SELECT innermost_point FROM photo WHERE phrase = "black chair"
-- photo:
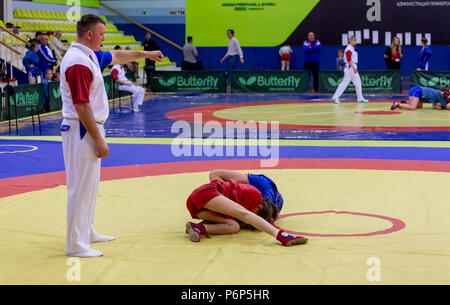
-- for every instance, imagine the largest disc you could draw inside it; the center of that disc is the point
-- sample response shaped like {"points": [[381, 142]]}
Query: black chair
{"points": [[11, 95], [120, 94]]}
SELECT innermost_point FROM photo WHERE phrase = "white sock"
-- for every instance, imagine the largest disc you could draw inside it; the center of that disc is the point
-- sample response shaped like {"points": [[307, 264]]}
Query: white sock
{"points": [[275, 234]]}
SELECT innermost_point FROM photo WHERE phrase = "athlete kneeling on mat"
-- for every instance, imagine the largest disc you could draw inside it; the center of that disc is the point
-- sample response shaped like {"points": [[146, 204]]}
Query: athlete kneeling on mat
{"points": [[232, 197], [418, 95]]}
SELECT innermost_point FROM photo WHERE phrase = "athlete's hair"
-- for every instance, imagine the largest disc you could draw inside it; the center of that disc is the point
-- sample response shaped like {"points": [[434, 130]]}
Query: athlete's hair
{"points": [[424, 40], [87, 22], [33, 45], [117, 47], [189, 38], [231, 31], [351, 38], [268, 211]]}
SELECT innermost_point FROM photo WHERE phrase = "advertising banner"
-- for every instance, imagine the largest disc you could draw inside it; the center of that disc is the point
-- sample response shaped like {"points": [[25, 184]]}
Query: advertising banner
{"points": [[189, 81], [372, 81], [55, 96], [436, 80], [25, 94], [269, 81]]}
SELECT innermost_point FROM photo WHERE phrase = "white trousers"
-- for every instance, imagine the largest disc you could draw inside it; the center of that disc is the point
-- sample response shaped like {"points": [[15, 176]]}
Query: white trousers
{"points": [[83, 178], [349, 76], [137, 94]]}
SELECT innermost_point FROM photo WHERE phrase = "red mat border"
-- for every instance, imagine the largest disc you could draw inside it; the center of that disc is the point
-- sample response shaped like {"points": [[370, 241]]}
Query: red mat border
{"points": [[25, 184]]}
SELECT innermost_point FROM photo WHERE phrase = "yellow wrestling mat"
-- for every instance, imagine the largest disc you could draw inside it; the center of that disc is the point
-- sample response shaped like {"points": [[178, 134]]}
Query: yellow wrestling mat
{"points": [[345, 114], [148, 215]]}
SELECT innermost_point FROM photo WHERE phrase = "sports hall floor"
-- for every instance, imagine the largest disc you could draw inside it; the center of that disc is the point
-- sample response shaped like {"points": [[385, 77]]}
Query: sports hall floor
{"points": [[360, 181]]}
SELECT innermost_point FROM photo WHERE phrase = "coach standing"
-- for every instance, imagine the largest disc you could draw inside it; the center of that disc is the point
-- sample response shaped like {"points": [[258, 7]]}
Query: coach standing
{"points": [[85, 110], [311, 49], [234, 52], [150, 45]]}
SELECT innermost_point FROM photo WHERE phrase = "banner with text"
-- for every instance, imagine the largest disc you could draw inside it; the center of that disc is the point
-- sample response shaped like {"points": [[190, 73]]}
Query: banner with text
{"points": [[437, 80], [269, 81], [189, 81], [25, 94], [372, 81]]}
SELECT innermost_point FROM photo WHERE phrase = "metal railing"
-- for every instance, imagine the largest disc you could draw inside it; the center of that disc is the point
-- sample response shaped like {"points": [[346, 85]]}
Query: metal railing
{"points": [[141, 26], [10, 54]]}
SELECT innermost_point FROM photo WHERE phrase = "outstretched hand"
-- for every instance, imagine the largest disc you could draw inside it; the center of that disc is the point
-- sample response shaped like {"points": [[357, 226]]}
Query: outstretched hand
{"points": [[155, 55]]}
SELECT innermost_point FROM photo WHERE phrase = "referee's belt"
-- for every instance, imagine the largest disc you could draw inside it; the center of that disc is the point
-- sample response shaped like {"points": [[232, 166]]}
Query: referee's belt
{"points": [[98, 122]]}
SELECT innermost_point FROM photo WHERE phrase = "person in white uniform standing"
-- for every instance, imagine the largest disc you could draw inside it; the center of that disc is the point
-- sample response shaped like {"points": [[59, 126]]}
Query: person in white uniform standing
{"points": [[124, 84], [85, 110], [350, 73]]}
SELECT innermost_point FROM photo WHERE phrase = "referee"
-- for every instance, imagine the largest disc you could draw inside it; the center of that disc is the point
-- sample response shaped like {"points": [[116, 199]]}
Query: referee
{"points": [[85, 110]]}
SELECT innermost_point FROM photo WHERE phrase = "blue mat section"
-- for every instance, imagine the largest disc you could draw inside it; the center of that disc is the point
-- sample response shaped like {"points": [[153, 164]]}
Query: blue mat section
{"points": [[49, 157], [151, 122]]}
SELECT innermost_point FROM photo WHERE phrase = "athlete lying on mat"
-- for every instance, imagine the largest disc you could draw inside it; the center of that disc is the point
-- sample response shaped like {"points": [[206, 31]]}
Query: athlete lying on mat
{"points": [[418, 95], [232, 197]]}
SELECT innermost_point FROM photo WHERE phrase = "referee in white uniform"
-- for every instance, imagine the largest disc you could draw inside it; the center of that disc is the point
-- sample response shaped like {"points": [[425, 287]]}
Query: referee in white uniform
{"points": [[85, 110], [350, 73]]}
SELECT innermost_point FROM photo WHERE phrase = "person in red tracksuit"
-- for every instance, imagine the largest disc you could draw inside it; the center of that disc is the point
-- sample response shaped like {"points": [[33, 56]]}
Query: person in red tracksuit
{"points": [[224, 204]]}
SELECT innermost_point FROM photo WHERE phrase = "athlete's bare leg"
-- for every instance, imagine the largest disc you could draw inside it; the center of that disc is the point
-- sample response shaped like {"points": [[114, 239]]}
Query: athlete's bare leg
{"points": [[220, 224], [412, 104], [225, 206]]}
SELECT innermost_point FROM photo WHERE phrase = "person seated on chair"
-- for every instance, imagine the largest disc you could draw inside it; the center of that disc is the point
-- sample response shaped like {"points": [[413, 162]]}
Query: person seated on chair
{"points": [[132, 66], [190, 53], [124, 84], [46, 58]]}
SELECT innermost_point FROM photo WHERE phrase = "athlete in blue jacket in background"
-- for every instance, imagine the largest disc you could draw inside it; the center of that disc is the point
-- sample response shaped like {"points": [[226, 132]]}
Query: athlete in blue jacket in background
{"points": [[424, 56], [31, 63]]}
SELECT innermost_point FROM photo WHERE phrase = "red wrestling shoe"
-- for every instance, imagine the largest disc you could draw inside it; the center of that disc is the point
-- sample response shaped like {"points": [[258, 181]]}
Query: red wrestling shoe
{"points": [[195, 231], [395, 106], [290, 240]]}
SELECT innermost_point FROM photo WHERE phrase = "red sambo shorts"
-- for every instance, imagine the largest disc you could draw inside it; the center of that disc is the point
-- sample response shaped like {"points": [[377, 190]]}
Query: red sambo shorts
{"points": [[201, 196], [286, 57]]}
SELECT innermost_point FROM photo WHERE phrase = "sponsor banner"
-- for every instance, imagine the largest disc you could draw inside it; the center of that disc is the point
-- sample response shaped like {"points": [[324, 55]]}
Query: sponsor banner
{"points": [[372, 81], [54, 96], [436, 80], [108, 85], [189, 81], [269, 81], [25, 94]]}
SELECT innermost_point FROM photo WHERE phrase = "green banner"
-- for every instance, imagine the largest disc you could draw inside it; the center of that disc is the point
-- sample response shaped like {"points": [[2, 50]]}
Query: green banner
{"points": [[372, 81], [269, 81], [25, 94], [54, 96], [189, 81], [108, 84], [436, 80]]}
